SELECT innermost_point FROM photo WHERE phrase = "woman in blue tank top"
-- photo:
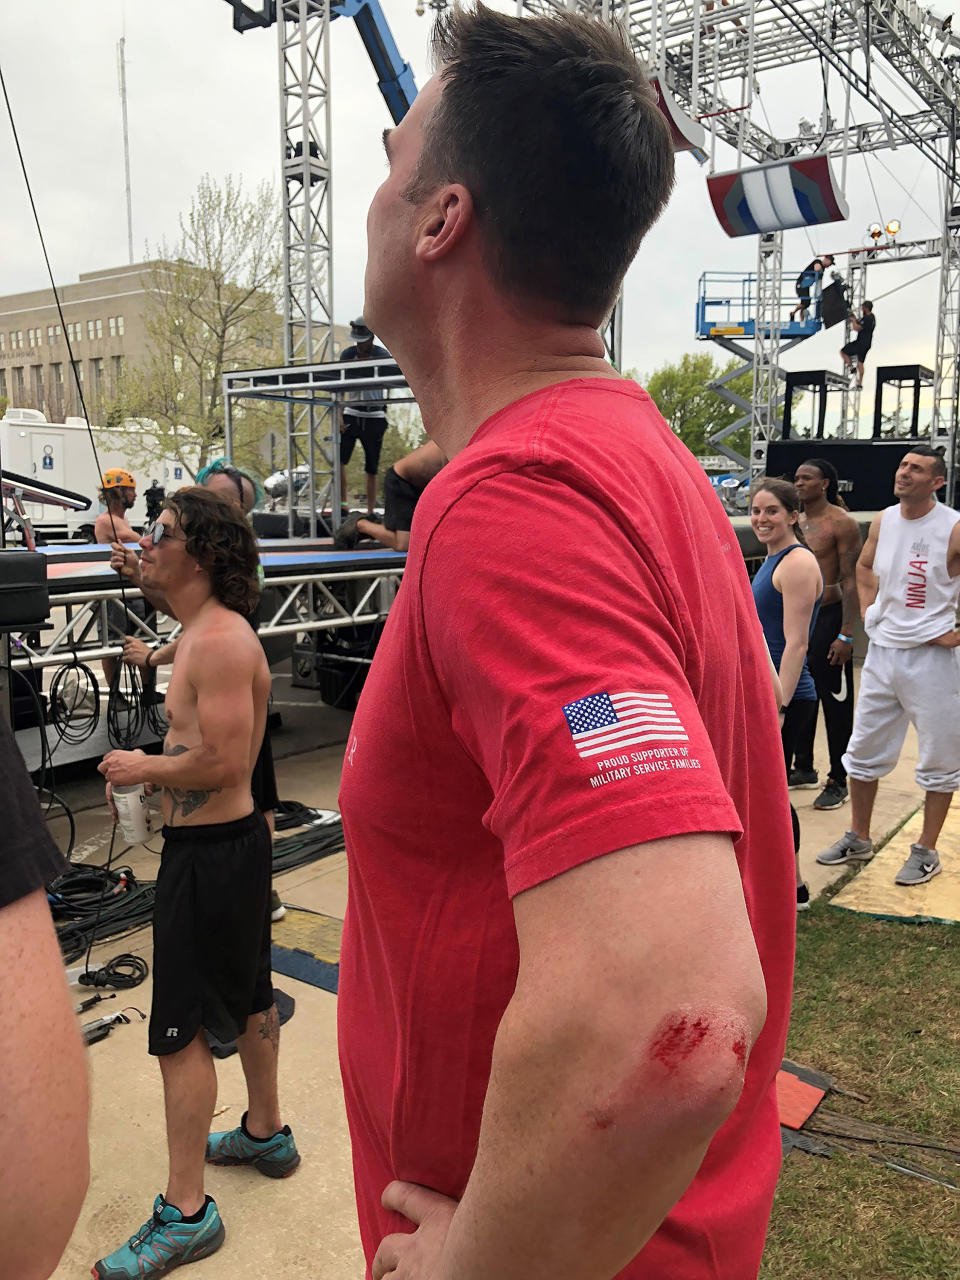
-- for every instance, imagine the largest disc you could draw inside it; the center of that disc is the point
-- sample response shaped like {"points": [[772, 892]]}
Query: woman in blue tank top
{"points": [[787, 590]]}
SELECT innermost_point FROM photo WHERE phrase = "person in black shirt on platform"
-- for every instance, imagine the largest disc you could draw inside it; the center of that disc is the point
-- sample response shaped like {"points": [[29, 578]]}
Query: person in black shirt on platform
{"points": [[365, 417], [855, 352], [44, 1157], [809, 278]]}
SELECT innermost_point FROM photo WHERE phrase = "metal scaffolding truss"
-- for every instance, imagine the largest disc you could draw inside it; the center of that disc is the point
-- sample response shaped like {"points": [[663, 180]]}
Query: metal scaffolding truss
{"points": [[303, 28], [313, 393], [314, 600], [304, 50]]}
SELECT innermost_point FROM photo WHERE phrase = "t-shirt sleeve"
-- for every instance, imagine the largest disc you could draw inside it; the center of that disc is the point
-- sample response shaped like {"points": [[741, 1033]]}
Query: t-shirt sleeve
{"points": [[28, 856], [560, 655]]}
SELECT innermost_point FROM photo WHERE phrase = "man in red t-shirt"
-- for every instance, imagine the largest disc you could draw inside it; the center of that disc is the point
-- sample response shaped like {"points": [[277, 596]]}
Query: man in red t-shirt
{"points": [[567, 959]]}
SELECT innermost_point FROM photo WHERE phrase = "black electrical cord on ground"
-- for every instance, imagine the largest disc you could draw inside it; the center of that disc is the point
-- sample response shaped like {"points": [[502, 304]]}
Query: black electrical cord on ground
{"points": [[322, 835], [122, 972]]}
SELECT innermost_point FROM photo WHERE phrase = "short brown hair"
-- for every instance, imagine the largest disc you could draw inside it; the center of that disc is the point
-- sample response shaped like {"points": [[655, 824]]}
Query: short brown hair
{"points": [[222, 543], [554, 129]]}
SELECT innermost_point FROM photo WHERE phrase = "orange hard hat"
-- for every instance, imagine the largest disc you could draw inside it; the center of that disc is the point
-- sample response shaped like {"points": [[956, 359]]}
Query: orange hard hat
{"points": [[117, 478]]}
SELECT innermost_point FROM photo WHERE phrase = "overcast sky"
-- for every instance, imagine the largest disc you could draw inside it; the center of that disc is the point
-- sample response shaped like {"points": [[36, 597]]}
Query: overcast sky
{"points": [[205, 99]]}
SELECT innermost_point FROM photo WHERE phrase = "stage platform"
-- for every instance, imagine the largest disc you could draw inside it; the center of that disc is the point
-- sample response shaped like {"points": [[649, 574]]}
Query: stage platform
{"points": [[86, 566], [873, 893]]}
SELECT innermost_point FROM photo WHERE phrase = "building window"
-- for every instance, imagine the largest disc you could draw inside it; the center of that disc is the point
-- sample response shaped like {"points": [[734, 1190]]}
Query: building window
{"points": [[90, 330], [119, 326], [18, 384], [38, 385], [118, 367], [57, 371], [78, 371], [3, 383], [99, 327], [50, 338], [112, 326], [3, 339], [74, 331], [97, 366]]}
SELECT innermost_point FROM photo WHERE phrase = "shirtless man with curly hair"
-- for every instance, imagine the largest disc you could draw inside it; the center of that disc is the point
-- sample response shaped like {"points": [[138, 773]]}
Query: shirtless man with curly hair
{"points": [[211, 965]]}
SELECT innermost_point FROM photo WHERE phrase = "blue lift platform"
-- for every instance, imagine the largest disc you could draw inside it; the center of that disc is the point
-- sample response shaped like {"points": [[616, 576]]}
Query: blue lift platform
{"points": [[727, 307]]}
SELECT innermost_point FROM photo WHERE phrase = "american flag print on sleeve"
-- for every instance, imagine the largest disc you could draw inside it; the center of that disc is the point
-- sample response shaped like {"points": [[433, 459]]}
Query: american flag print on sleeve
{"points": [[605, 722]]}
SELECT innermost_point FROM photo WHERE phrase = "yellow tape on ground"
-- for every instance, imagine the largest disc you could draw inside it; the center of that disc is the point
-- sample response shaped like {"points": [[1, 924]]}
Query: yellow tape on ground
{"points": [[874, 893], [308, 931]]}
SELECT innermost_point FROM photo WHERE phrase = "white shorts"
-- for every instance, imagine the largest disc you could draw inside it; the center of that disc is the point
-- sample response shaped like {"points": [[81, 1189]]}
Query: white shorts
{"points": [[898, 686]]}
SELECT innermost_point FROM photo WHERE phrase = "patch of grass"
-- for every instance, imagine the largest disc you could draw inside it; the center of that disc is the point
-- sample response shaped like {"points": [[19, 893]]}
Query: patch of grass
{"points": [[876, 1006]]}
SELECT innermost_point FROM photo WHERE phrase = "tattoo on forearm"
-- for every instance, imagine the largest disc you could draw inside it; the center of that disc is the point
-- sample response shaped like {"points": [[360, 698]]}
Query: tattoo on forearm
{"points": [[182, 798], [270, 1027]]}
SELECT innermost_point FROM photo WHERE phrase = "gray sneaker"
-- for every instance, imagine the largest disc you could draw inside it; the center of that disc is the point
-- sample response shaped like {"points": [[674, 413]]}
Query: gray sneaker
{"points": [[849, 848], [922, 865]]}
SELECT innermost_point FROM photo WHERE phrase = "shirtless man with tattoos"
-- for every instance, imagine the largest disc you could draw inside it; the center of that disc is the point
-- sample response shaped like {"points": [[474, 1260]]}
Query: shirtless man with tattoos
{"points": [[833, 536], [211, 966]]}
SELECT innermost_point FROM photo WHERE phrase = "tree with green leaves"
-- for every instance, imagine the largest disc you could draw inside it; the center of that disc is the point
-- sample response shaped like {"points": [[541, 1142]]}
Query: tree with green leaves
{"points": [[682, 394], [214, 301]]}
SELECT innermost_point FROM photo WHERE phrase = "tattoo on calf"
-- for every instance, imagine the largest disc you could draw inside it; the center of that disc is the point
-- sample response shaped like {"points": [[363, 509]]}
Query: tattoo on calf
{"points": [[181, 798], [270, 1027]]}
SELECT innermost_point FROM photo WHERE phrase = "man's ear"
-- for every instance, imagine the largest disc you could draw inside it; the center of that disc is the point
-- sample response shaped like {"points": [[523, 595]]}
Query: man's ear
{"points": [[450, 215]]}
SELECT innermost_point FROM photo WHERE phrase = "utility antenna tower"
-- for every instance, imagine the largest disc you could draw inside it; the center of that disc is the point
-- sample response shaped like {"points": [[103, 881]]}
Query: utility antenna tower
{"points": [[122, 73]]}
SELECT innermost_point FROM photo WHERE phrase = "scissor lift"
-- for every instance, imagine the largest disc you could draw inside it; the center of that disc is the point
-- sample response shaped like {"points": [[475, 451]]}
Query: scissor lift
{"points": [[727, 308]]}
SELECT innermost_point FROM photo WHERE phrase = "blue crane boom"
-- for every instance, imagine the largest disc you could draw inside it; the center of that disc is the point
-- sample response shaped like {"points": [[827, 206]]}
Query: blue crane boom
{"points": [[394, 76]]}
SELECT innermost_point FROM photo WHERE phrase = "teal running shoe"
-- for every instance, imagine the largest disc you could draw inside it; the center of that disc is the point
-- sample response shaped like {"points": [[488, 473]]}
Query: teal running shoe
{"points": [[277, 1157], [162, 1244]]}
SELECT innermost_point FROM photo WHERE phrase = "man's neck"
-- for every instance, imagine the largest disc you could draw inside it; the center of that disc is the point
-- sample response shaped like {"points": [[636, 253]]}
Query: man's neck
{"points": [[189, 600], [816, 508], [916, 510], [470, 377]]}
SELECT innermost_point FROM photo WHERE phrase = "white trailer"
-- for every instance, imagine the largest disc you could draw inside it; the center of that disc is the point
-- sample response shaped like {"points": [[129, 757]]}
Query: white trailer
{"points": [[59, 453]]}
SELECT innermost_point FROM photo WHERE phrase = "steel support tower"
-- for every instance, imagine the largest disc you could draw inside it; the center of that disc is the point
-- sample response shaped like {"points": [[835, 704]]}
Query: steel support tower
{"points": [[303, 32]]}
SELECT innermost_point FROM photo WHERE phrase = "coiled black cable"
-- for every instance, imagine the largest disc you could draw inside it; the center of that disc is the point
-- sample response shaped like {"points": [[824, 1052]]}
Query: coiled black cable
{"points": [[122, 972], [74, 702]]}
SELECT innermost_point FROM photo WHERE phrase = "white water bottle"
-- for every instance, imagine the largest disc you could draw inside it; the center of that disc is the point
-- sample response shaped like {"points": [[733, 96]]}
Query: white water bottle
{"points": [[131, 806]]}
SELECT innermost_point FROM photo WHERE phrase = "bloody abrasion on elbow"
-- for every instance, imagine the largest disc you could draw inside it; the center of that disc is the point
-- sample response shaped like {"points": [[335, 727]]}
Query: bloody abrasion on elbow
{"points": [[680, 1034]]}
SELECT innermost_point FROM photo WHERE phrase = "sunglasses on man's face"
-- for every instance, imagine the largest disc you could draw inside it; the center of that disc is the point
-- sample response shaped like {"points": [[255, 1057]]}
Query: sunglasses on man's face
{"points": [[157, 531]]}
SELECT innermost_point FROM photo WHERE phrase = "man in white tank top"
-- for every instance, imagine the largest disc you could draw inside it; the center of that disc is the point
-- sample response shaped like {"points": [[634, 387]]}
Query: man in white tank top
{"points": [[908, 580]]}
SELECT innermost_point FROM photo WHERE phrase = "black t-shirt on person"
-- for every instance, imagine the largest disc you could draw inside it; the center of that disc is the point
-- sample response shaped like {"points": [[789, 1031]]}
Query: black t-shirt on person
{"points": [[29, 858], [864, 337]]}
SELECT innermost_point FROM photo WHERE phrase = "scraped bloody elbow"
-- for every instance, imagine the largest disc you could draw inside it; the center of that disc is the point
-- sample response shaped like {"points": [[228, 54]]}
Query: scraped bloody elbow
{"points": [[689, 1074]]}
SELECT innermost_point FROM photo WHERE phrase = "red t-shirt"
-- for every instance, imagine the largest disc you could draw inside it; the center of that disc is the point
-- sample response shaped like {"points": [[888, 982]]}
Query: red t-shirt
{"points": [[573, 665]]}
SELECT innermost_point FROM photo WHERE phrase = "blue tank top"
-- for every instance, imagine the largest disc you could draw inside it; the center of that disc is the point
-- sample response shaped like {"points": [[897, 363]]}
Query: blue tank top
{"points": [[769, 604]]}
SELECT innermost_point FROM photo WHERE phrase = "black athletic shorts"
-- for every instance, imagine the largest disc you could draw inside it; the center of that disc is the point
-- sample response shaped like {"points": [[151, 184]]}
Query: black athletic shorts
{"points": [[263, 780], [211, 932], [854, 349], [369, 430], [400, 499]]}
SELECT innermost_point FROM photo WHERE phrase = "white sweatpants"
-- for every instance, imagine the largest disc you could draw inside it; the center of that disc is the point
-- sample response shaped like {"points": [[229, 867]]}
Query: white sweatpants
{"points": [[898, 686]]}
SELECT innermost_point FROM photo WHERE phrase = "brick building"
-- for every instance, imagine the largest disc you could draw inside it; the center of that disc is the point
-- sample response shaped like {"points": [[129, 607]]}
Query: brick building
{"points": [[104, 316]]}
